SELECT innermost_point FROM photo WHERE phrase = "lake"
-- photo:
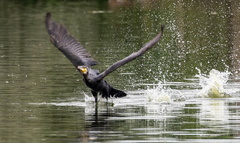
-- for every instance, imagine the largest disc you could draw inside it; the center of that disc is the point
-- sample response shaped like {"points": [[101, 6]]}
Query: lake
{"points": [[185, 89]]}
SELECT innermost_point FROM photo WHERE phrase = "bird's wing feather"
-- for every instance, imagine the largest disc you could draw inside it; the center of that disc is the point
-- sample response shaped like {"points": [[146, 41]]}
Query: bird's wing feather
{"points": [[132, 56], [67, 44]]}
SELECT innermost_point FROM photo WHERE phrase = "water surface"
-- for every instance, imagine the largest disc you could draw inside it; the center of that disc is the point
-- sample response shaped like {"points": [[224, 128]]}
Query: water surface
{"points": [[185, 89]]}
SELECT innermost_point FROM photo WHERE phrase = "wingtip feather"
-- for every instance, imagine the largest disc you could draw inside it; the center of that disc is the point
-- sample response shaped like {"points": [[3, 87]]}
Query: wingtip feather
{"points": [[48, 14], [162, 27], [47, 20]]}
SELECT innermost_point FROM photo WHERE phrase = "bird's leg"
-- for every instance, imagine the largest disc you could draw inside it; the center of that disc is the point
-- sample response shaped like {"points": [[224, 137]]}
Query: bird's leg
{"points": [[96, 99], [106, 98], [107, 94], [95, 95]]}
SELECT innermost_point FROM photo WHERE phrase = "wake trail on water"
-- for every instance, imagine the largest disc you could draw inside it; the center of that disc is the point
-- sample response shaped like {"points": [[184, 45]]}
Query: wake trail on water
{"points": [[213, 84], [210, 86], [162, 93]]}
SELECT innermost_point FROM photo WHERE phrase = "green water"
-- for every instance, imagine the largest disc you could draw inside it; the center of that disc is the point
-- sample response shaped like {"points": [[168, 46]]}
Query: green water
{"points": [[42, 96]]}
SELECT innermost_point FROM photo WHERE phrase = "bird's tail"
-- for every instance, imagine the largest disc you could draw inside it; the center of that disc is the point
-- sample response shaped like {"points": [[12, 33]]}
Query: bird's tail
{"points": [[117, 93]]}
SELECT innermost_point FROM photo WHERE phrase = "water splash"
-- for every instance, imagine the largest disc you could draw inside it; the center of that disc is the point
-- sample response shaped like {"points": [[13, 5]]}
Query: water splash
{"points": [[101, 101], [88, 98], [157, 94], [161, 93], [213, 84]]}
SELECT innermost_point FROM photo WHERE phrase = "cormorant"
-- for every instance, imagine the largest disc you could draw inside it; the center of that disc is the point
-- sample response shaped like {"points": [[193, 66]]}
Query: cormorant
{"points": [[83, 61]]}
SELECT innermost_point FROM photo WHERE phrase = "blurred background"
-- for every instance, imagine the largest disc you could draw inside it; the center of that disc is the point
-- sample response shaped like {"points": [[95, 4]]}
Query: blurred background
{"points": [[199, 35]]}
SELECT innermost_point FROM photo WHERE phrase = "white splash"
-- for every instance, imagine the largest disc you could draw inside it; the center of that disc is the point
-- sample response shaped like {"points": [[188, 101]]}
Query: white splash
{"points": [[160, 93], [88, 98], [213, 84]]}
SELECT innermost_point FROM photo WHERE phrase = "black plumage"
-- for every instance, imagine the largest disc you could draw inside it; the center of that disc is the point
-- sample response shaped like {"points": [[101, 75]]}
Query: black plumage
{"points": [[83, 61]]}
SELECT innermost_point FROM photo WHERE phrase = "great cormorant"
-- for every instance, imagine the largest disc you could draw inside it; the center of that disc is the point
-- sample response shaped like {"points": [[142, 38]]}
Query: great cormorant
{"points": [[83, 61]]}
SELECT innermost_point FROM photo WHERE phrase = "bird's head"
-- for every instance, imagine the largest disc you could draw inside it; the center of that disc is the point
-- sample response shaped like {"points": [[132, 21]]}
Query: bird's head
{"points": [[83, 70]]}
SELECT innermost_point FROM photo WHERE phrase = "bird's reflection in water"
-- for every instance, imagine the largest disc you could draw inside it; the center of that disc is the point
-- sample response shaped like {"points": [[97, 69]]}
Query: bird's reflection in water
{"points": [[97, 120]]}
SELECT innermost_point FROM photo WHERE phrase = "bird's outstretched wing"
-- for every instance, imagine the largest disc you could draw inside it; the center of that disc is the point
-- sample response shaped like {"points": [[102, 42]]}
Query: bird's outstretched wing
{"points": [[132, 56], [67, 44]]}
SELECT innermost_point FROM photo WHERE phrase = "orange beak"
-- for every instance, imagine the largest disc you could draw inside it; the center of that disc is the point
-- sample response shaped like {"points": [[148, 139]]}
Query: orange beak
{"points": [[83, 69]]}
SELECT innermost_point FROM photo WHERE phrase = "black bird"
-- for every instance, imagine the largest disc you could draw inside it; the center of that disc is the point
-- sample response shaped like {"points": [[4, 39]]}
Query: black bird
{"points": [[83, 61]]}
